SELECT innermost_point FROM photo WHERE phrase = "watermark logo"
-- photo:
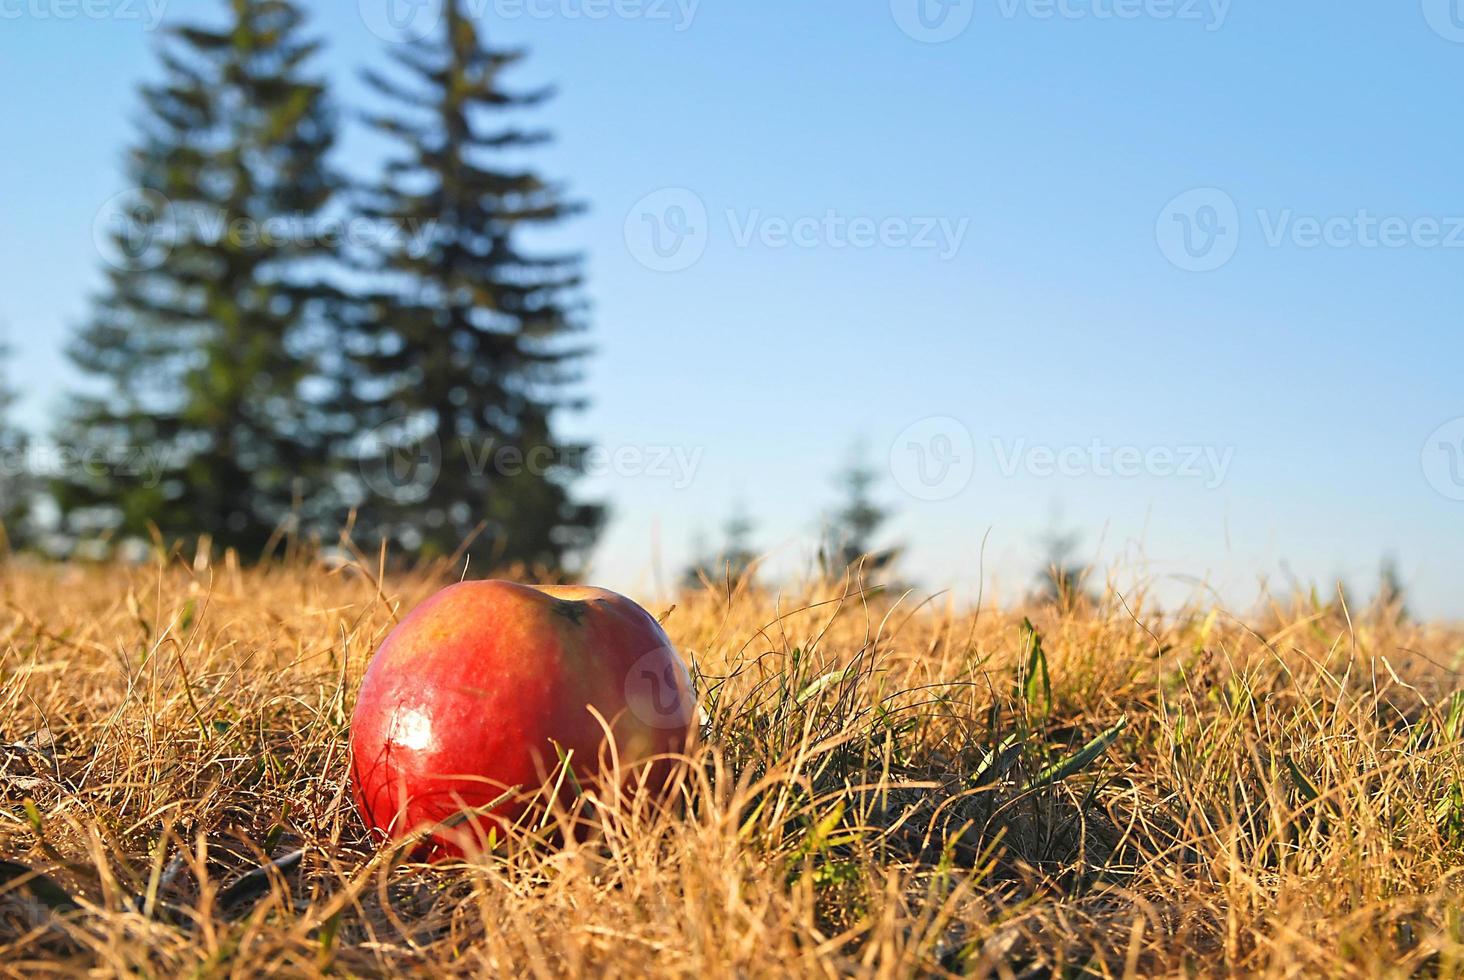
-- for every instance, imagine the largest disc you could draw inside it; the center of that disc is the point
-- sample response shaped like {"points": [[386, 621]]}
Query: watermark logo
{"points": [[667, 230], [1446, 17], [933, 21], [148, 12], [401, 462], [933, 459], [399, 465], [1443, 459], [1211, 13], [1205, 464], [679, 13], [139, 229], [936, 458], [942, 235], [1360, 229], [135, 230], [400, 20], [143, 464], [658, 691], [1199, 230]]}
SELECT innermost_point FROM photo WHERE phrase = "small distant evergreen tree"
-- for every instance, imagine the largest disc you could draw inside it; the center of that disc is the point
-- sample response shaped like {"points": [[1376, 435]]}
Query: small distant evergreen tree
{"points": [[207, 411], [849, 538], [1391, 602], [735, 559], [1062, 580], [460, 359], [18, 485]]}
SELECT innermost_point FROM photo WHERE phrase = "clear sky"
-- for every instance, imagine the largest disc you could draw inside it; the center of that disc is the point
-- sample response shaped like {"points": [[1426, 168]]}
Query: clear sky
{"points": [[1184, 276]]}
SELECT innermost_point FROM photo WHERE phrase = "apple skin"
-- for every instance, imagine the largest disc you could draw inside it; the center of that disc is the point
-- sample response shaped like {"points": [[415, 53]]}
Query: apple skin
{"points": [[470, 694]]}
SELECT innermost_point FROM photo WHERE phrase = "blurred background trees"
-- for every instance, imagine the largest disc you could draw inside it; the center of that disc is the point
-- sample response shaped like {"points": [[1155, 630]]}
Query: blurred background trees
{"points": [[1062, 580], [249, 379], [464, 347], [849, 541], [204, 345], [18, 486], [734, 562], [282, 349]]}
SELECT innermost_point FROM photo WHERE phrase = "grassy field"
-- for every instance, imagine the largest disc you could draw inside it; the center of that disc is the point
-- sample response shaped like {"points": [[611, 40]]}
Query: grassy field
{"points": [[886, 788]]}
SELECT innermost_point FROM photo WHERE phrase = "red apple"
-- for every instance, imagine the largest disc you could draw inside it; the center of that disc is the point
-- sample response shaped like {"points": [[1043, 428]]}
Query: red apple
{"points": [[483, 686]]}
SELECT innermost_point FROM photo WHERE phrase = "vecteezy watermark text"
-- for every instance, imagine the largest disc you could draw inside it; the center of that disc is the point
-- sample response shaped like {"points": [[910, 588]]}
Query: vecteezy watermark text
{"points": [[935, 21], [405, 468], [1208, 465], [148, 12], [138, 229], [1210, 13], [143, 464], [1360, 229], [942, 235], [669, 230], [1202, 229], [679, 13], [936, 458], [411, 20]]}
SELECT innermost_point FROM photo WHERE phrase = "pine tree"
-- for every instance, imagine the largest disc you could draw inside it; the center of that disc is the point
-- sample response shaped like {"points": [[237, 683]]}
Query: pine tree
{"points": [[205, 343], [736, 558], [1062, 580], [1391, 601], [18, 486], [849, 539], [461, 360]]}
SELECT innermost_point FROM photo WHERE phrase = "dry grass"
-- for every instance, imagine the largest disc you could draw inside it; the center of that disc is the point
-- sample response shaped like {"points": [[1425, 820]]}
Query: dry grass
{"points": [[884, 792]]}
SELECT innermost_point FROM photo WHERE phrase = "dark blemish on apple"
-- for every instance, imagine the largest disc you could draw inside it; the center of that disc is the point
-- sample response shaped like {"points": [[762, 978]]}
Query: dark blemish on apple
{"points": [[570, 610]]}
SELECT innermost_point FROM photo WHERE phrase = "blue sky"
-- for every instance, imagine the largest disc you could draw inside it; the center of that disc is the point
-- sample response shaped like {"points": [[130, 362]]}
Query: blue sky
{"points": [[968, 255]]}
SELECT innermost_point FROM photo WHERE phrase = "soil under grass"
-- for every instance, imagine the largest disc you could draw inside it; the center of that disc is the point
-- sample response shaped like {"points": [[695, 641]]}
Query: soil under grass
{"points": [[885, 789]]}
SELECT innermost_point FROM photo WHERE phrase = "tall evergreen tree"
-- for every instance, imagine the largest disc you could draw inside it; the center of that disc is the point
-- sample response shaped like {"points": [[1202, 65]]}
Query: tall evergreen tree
{"points": [[461, 359], [209, 406]]}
